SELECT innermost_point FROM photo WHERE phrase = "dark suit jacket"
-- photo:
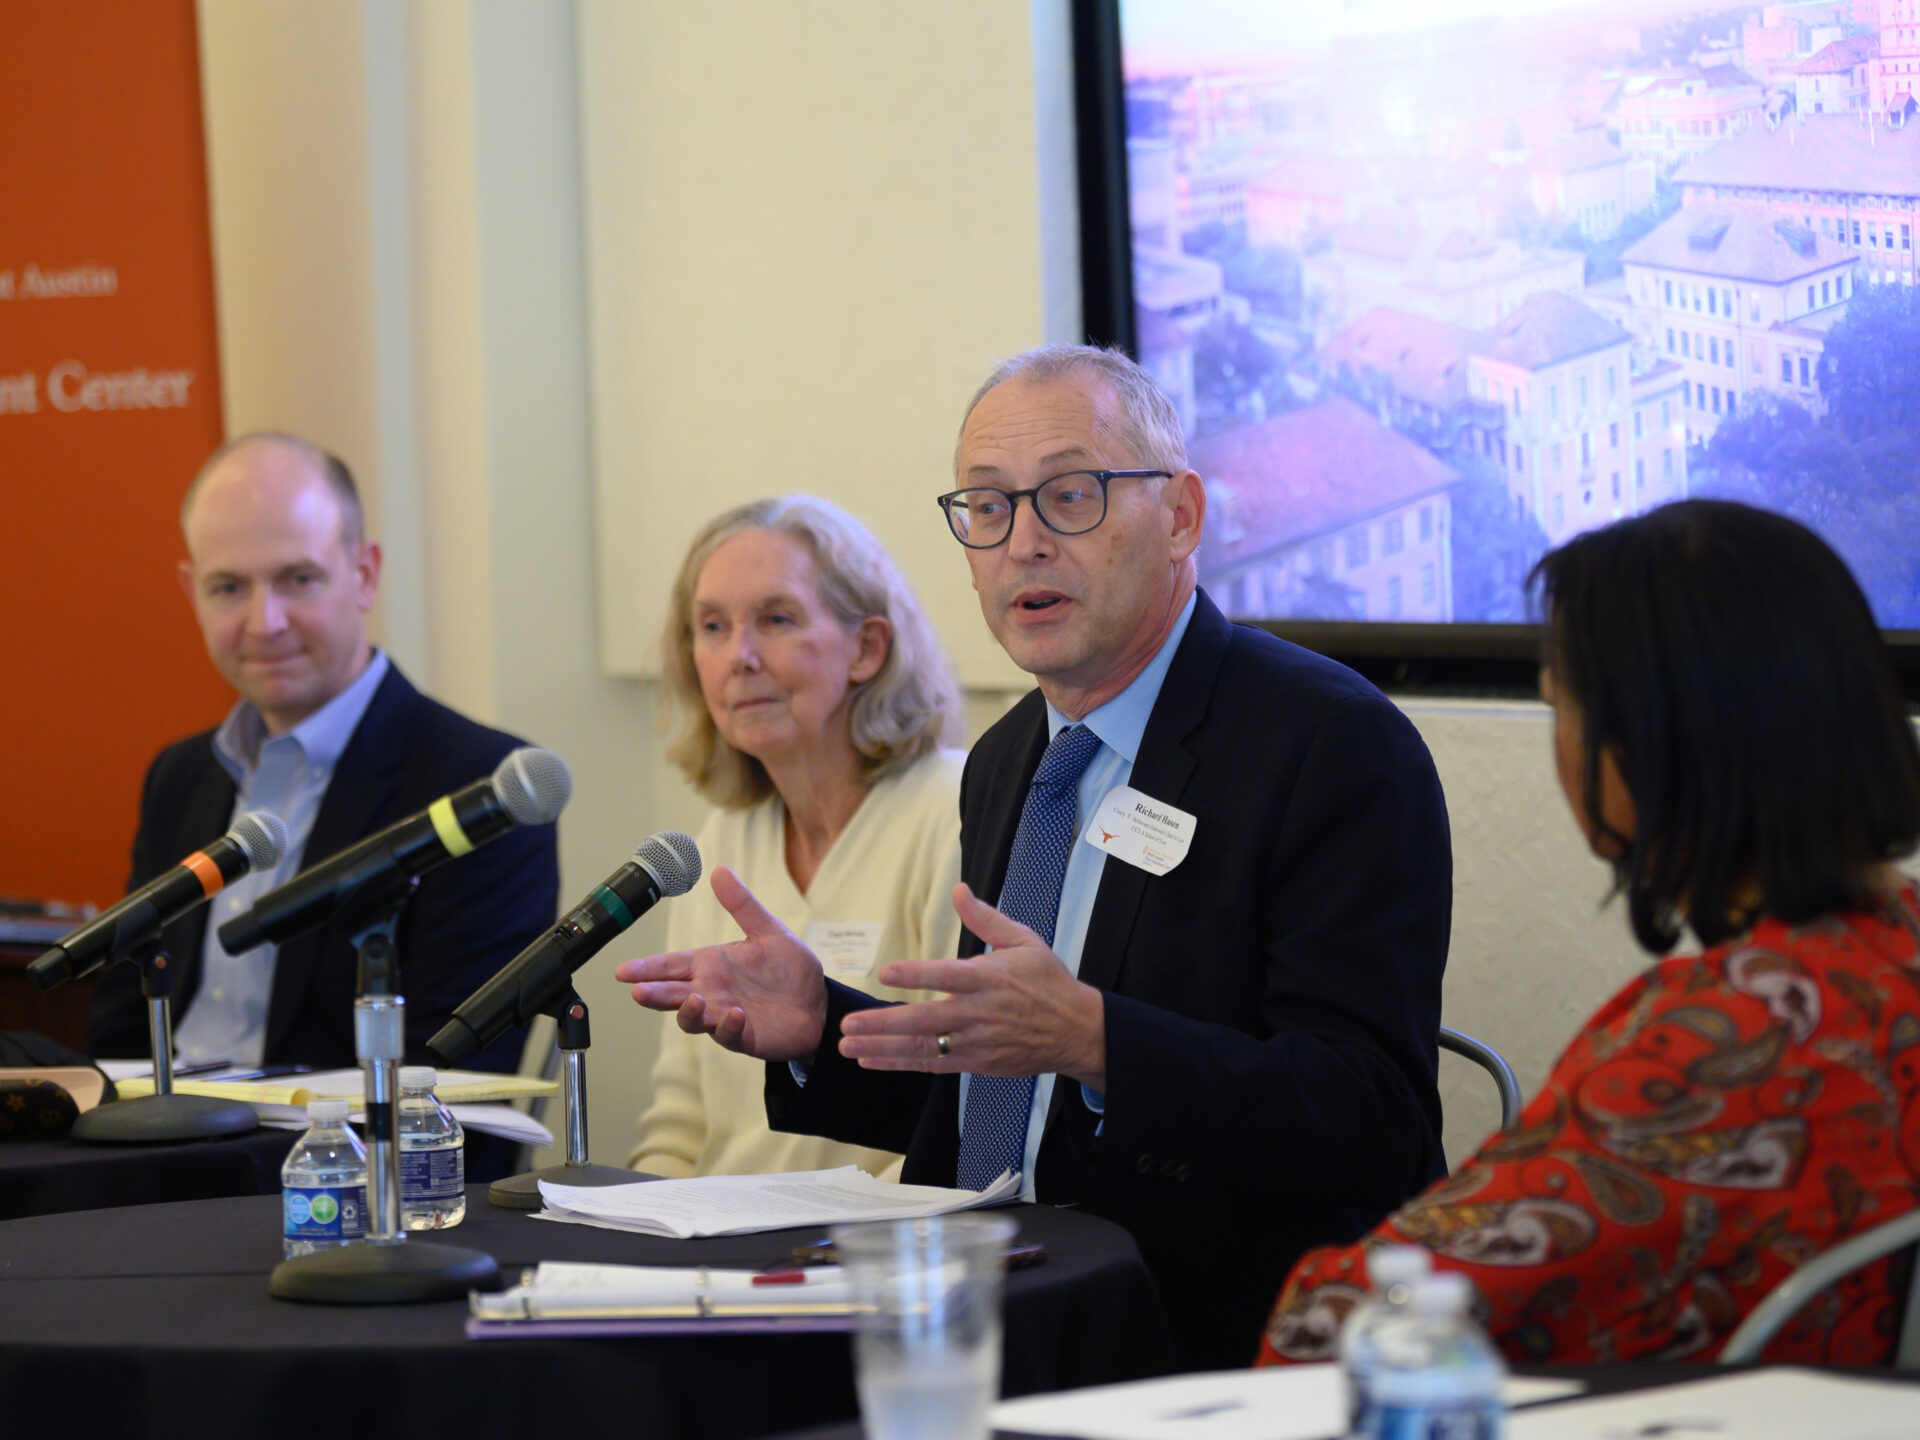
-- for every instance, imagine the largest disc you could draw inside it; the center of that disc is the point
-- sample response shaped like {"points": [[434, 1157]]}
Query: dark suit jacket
{"points": [[1272, 1004], [467, 919]]}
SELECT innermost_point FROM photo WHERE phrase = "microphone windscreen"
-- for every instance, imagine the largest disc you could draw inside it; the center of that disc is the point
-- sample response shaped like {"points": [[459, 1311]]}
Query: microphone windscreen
{"points": [[534, 785], [672, 859], [262, 838]]}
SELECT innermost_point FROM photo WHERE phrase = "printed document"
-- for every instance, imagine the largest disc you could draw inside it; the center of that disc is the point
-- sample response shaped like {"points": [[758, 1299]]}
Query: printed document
{"points": [[748, 1204]]}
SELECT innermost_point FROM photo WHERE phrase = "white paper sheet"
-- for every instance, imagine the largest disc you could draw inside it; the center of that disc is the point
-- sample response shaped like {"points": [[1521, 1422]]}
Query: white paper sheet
{"points": [[748, 1204], [1286, 1402], [568, 1290], [1777, 1404]]}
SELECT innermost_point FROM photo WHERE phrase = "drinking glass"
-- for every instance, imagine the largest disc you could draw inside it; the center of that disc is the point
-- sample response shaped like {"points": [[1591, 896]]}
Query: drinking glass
{"points": [[926, 1345]]}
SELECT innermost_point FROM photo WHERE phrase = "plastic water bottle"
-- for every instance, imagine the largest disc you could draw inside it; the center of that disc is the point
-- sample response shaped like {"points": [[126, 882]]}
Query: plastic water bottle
{"points": [[1438, 1377], [323, 1185], [433, 1157], [1394, 1269]]}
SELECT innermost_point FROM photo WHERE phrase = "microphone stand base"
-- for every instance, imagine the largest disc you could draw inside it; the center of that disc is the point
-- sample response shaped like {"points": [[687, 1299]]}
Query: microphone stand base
{"points": [[522, 1192], [164, 1119], [410, 1273]]}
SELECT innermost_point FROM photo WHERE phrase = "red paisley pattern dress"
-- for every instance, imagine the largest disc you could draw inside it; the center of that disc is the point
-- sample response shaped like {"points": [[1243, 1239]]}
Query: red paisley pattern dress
{"points": [[1722, 1119]]}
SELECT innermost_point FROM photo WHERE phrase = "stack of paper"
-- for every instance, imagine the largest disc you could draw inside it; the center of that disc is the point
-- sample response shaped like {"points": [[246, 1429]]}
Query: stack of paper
{"points": [[450, 1085], [556, 1290], [747, 1204], [281, 1102], [1287, 1402], [1771, 1404]]}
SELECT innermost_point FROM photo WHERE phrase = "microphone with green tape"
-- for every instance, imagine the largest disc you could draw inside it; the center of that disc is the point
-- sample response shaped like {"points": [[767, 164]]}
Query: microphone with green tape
{"points": [[530, 787], [668, 864]]}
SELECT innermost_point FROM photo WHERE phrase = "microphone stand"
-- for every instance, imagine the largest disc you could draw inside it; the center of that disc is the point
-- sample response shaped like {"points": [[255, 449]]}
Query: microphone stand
{"points": [[522, 1192], [388, 1269], [162, 1116]]}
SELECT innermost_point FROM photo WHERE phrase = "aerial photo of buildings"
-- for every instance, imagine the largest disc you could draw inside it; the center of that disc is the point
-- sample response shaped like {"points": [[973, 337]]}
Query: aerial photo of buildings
{"points": [[1437, 286]]}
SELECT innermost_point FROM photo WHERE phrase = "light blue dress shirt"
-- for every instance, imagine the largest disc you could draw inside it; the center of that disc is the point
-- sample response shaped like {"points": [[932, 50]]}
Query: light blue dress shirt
{"points": [[288, 775], [1119, 723]]}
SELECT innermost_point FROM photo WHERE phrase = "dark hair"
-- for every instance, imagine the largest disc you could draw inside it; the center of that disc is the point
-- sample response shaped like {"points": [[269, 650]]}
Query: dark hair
{"points": [[353, 516], [1727, 659]]}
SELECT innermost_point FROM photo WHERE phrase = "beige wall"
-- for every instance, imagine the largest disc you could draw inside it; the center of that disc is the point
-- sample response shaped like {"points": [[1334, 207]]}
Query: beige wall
{"points": [[416, 267]]}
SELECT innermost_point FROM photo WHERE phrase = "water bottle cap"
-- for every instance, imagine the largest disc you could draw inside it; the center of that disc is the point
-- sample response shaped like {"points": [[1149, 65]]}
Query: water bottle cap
{"points": [[1445, 1293], [327, 1112], [1391, 1265], [417, 1077]]}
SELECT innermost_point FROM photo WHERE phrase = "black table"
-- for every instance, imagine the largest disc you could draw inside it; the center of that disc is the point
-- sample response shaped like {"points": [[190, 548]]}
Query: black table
{"points": [[47, 1177], [157, 1321]]}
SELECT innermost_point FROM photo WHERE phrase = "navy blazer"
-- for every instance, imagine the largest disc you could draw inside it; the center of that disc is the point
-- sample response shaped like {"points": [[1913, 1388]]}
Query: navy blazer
{"points": [[1272, 1004], [467, 919]]}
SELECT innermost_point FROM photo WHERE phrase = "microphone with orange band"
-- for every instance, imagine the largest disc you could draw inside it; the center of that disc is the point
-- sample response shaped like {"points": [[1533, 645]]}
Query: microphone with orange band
{"points": [[255, 842]]}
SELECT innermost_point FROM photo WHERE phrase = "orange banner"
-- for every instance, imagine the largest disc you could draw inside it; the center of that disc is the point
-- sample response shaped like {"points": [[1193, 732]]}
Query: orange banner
{"points": [[109, 400]]}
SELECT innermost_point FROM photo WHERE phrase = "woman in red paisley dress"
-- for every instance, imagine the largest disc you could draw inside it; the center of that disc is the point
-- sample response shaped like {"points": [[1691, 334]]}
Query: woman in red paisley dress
{"points": [[1730, 737]]}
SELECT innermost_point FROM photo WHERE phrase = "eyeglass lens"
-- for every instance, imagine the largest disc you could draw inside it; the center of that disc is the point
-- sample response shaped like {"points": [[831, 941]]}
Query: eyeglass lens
{"points": [[1068, 504]]}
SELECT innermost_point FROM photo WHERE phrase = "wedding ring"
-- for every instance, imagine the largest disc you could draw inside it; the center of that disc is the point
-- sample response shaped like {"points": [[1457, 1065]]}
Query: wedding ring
{"points": [[944, 1044]]}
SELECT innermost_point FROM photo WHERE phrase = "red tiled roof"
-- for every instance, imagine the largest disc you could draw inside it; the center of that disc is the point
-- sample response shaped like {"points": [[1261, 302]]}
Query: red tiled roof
{"points": [[1313, 471], [1547, 328], [1308, 174], [1815, 153], [1423, 359], [1841, 56], [1739, 242]]}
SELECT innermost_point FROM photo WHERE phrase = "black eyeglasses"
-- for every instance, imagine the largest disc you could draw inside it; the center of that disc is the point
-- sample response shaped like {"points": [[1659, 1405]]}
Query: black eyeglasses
{"points": [[1069, 504]]}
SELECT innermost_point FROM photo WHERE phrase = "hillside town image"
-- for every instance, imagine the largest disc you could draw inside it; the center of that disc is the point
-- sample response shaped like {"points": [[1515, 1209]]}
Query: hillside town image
{"points": [[1437, 287]]}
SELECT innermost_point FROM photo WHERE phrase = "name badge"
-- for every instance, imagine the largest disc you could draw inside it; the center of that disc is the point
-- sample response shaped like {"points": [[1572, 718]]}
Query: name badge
{"points": [[1140, 830], [846, 948]]}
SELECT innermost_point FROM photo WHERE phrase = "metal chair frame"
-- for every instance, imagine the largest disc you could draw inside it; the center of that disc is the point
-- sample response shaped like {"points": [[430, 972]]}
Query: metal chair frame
{"points": [[1817, 1274], [1490, 1060]]}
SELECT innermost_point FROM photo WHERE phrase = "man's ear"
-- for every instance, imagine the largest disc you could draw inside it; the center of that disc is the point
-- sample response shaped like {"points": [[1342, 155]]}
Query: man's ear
{"points": [[185, 573], [366, 567], [1187, 513]]}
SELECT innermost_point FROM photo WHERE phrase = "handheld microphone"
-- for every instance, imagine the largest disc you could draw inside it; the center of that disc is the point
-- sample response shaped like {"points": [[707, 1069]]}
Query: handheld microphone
{"points": [[255, 842], [529, 787], [668, 864]]}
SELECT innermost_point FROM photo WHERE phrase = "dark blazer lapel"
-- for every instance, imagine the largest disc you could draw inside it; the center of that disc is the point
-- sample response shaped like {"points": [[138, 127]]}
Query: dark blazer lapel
{"points": [[204, 817], [1164, 765], [364, 779], [1004, 796]]}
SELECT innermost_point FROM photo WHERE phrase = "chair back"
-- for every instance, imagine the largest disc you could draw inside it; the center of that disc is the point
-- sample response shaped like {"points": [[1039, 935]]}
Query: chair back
{"points": [[1823, 1270], [1490, 1060]]}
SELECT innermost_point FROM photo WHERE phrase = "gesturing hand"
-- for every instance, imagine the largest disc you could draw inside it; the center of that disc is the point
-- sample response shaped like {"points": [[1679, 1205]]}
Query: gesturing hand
{"points": [[763, 995], [1015, 1011]]}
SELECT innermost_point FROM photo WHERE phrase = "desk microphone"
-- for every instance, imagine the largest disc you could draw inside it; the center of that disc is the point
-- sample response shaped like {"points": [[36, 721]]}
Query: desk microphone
{"points": [[529, 787], [668, 864], [255, 842]]}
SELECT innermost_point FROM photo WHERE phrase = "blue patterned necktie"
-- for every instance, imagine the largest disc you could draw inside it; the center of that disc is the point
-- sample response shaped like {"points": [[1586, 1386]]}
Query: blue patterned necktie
{"points": [[994, 1137]]}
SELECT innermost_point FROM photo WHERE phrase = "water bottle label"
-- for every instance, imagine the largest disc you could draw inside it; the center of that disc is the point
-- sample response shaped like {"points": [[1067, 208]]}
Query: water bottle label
{"points": [[431, 1174], [1463, 1420], [326, 1212]]}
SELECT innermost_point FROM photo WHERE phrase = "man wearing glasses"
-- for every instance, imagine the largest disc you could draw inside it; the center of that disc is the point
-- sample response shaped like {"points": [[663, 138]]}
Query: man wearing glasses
{"points": [[1207, 894]]}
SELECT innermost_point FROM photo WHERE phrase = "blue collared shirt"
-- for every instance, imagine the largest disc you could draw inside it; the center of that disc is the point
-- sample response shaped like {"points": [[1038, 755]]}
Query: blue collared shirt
{"points": [[1119, 723], [288, 775]]}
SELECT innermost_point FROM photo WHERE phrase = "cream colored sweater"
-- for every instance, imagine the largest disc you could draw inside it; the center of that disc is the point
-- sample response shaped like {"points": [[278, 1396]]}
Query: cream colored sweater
{"points": [[884, 893]]}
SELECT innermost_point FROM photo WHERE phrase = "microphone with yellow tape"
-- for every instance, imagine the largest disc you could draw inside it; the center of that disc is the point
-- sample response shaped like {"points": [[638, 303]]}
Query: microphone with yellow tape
{"points": [[529, 787]]}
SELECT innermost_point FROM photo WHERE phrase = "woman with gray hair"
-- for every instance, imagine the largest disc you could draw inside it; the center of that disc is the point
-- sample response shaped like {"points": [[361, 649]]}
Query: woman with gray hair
{"points": [[813, 700]]}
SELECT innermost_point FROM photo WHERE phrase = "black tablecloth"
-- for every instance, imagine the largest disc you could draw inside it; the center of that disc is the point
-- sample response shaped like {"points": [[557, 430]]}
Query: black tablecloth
{"points": [[47, 1177], [157, 1321]]}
